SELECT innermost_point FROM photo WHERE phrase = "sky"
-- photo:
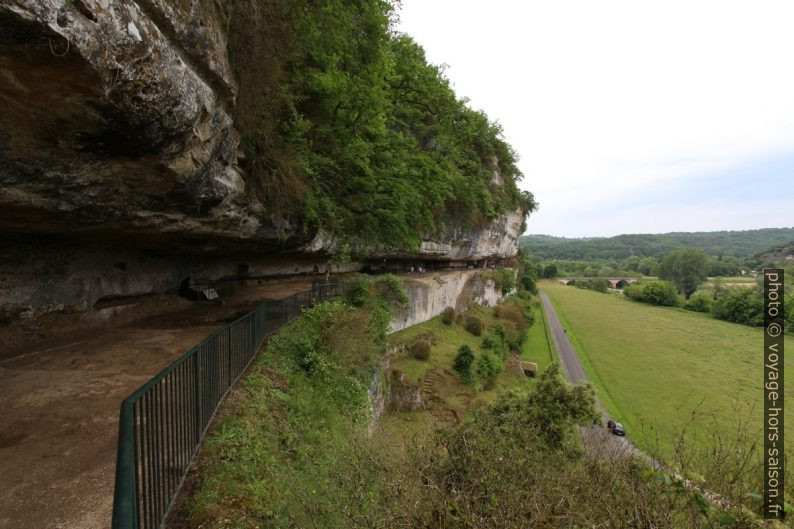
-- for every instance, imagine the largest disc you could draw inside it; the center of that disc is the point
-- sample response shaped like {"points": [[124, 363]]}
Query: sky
{"points": [[630, 116]]}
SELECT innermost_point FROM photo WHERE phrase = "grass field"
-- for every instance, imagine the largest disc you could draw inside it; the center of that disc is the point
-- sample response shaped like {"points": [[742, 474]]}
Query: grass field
{"points": [[653, 366], [738, 281]]}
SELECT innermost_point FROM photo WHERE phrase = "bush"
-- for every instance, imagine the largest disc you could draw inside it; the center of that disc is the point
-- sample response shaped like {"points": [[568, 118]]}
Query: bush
{"points": [[508, 279], [391, 290], [528, 282], [448, 316], [421, 349], [599, 285], [358, 290], [488, 366], [740, 305], [699, 302], [497, 341], [504, 279], [474, 325], [462, 363], [655, 292], [512, 312]]}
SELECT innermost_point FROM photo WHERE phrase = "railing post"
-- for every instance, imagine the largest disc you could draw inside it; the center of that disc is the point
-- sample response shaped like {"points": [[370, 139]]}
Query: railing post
{"points": [[229, 331], [125, 494], [197, 384]]}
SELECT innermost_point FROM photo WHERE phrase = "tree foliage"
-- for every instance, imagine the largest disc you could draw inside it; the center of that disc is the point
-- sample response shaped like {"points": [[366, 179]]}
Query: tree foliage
{"points": [[737, 244], [462, 363], [739, 305], [550, 271], [686, 268], [655, 292], [699, 302], [370, 138]]}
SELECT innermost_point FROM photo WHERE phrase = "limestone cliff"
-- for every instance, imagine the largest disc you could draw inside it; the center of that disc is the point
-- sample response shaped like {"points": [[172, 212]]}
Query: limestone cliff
{"points": [[118, 148]]}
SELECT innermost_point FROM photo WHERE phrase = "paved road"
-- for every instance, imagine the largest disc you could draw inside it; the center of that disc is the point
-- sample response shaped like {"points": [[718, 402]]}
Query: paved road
{"points": [[596, 439]]}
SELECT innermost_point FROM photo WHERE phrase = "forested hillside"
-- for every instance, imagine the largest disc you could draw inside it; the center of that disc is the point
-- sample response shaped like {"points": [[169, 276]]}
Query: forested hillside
{"points": [[345, 125], [738, 244], [779, 253]]}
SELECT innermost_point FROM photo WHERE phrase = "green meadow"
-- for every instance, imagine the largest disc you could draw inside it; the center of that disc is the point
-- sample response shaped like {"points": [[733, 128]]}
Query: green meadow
{"points": [[663, 371]]}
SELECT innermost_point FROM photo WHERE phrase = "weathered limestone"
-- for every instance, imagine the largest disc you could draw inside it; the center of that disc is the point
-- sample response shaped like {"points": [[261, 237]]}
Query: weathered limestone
{"points": [[117, 145], [431, 294]]}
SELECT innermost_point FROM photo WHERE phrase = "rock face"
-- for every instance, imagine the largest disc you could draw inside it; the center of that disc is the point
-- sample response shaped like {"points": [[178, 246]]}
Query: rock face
{"points": [[403, 395], [430, 295], [117, 141], [121, 123]]}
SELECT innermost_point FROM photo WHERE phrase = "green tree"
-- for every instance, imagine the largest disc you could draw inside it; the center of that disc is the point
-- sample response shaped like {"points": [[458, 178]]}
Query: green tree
{"points": [[599, 285], [648, 266], [686, 268], [550, 271], [462, 363], [655, 292], [488, 366], [699, 302], [632, 263], [740, 305], [347, 127]]}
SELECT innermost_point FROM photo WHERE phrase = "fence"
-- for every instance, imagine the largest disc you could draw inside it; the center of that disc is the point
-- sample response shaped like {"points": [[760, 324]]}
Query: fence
{"points": [[162, 423]]}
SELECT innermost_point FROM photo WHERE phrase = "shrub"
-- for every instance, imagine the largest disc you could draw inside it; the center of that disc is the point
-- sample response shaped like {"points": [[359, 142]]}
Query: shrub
{"points": [[512, 312], [448, 316], [421, 349], [504, 279], [474, 325], [497, 342], [358, 290], [391, 289], [508, 279], [740, 305], [699, 302], [488, 366], [528, 282], [654, 292], [462, 363], [599, 285]]}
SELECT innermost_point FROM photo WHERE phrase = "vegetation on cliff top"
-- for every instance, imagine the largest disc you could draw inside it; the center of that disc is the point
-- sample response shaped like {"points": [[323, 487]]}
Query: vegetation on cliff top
{"points": [[345, 124]]}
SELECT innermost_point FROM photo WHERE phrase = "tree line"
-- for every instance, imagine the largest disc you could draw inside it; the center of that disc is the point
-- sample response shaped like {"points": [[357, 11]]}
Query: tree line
{"points": [[741, 245]]}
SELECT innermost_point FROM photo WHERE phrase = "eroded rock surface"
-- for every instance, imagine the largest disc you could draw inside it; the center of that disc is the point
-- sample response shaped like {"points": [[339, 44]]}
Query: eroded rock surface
{"points": [[116, 130]]}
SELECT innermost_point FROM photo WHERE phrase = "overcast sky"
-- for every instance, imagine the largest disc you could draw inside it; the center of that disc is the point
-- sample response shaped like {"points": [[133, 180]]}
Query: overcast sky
{"points": [[630, 116]]}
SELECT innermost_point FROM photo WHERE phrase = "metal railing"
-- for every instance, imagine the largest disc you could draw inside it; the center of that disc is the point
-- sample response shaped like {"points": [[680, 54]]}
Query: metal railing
{"points": [[162, 423]]}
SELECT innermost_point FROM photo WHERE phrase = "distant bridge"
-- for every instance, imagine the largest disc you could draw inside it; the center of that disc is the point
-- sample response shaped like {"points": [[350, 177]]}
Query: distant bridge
{"points": [[612, 282]]}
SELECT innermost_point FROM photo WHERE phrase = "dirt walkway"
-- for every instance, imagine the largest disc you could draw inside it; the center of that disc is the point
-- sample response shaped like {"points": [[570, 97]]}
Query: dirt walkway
{"points": [[60, 403]]}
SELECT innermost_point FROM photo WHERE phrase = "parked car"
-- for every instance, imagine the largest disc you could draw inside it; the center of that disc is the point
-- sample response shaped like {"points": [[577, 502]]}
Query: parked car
{"points": [[615, 427]]}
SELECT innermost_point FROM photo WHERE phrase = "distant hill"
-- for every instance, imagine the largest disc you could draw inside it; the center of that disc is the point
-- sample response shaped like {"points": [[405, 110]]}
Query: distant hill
{"points": [[782, 253], [740, 244]]}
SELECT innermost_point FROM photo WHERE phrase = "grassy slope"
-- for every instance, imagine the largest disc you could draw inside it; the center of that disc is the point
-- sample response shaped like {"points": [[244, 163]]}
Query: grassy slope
{"points": [[448, 338], [652, 366], [397, 427]]}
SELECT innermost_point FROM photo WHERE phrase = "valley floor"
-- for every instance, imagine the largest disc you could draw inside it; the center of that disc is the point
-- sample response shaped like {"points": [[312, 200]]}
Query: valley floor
{"points": [[663, 371]]}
